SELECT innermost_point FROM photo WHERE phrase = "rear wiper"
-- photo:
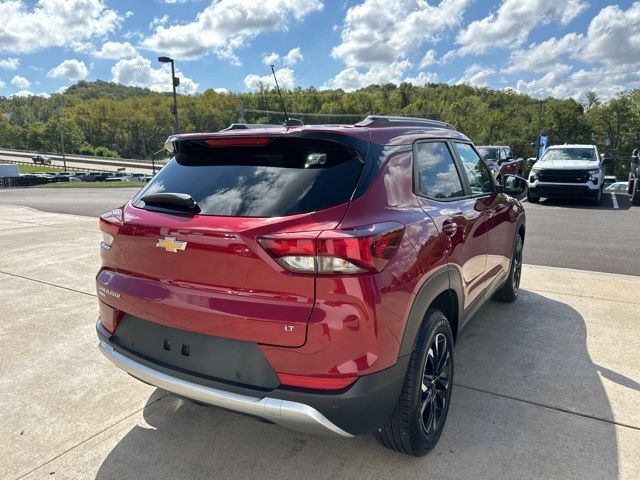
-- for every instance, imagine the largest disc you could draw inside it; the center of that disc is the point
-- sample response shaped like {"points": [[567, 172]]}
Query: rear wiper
{"points": [[182, 200]]}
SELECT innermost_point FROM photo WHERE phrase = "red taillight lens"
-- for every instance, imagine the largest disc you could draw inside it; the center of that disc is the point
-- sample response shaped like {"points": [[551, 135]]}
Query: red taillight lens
{"points": [[110, 223], [238, 142], [365, 249], [315, 383]]}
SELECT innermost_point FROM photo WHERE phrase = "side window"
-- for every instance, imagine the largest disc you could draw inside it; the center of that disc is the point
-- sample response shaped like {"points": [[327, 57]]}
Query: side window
{"points": [[503, 154], [436, 174], [475, 170]]}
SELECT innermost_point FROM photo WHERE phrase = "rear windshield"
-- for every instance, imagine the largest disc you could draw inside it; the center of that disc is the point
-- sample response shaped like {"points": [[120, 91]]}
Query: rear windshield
{"points": [[489, 153], [285, 177]]}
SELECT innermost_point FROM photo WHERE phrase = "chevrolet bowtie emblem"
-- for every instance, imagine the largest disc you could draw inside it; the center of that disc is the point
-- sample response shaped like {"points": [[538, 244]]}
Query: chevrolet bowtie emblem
{"points": [[170, 244]]}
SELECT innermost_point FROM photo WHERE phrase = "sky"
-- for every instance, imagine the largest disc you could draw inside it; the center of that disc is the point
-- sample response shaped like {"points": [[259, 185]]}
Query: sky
{"points": [[561, 48]]}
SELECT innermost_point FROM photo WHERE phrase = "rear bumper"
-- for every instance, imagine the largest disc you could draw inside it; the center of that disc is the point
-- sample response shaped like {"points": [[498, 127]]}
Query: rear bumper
{"points": [[358, 410]]}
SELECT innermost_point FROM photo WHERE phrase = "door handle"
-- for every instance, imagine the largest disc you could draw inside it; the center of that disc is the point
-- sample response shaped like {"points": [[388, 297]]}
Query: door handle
{"points": [[450, 228]]}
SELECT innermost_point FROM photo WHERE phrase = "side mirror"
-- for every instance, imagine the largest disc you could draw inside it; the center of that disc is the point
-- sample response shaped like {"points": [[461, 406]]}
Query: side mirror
{"points": [[514, 186], [607, 161]]}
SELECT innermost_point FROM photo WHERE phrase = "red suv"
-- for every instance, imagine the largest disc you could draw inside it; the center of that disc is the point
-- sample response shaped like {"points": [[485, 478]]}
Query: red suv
{"points": [[316, 277]]}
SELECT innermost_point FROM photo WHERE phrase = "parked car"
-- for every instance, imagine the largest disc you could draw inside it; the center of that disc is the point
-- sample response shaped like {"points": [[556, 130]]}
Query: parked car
{"points": [[41, 159], [634, 178], [617, 187], [117, 179], [500, 160], [140, 177], [609, 180], [317, 280], [65, 178], [569, 171]]}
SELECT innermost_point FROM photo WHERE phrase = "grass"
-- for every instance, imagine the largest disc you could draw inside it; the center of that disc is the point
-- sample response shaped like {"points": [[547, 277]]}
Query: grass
{"points": [[38, 168], [93, 185]]}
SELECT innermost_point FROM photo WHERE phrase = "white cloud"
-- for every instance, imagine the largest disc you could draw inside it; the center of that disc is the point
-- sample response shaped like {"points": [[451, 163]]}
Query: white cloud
{"points": [[286, 79], [28, 93], [562, 82], [138, 72], [351, 78], [613, 37], [428, 59], [379, 37], [379, 32], [476, 75], [20, 82], [513, 22], [116, 50], [70, 69], [53, 23], [159, 21], [422, 79], [128, 14], [226, 26], [3, 84], [544, 55], [291, 58], [9, 63]]}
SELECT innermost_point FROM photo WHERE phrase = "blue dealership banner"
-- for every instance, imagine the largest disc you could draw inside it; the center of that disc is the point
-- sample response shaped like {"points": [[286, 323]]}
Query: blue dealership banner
{"points": [[544, 139]]}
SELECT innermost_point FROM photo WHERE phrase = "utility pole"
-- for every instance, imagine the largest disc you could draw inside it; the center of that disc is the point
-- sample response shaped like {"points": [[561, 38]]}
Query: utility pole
{"points": [[60, 129], [540, 104], [144, 151]]}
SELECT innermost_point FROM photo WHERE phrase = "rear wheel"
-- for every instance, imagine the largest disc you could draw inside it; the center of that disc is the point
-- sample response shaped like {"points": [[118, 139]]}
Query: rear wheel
{"points": [[635, 194], [509, 291], [417, 422]]}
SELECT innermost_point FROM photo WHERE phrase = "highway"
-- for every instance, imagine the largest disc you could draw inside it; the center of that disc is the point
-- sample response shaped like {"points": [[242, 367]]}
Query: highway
{"points": [[86, 163], [559, 234]]}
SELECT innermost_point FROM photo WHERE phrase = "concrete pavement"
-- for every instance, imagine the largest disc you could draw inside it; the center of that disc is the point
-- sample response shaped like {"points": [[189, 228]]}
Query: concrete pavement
{"points": [[545, 388]]}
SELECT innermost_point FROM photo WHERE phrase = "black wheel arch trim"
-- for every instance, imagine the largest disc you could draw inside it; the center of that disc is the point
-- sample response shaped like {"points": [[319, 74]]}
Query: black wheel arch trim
{"points": [[445, 279]]}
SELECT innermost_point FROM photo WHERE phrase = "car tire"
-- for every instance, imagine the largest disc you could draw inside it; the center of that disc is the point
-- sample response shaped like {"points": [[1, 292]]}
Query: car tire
{"points": [[532, 199], [598, 198], [630, 185], [635, 195], [416, 424], [508, 293]]}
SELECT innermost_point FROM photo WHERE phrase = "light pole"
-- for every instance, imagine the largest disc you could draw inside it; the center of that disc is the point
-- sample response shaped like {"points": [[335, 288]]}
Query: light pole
{"points": [[175, 81]]}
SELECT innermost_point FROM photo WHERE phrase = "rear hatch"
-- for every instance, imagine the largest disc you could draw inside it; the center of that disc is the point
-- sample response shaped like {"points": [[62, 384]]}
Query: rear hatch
{"points": [[197, 265]]}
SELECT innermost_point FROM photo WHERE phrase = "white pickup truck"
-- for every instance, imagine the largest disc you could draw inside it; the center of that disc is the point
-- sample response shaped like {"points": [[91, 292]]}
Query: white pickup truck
{"points": [[568, 171]]}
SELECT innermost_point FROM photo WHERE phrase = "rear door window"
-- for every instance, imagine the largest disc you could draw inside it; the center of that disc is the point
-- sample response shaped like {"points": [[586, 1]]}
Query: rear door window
{"points": [[287, 176], [436, 174]]}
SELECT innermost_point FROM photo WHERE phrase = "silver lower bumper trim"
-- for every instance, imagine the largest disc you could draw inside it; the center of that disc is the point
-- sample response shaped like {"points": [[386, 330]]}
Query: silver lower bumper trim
{"points": [[292, 415]]}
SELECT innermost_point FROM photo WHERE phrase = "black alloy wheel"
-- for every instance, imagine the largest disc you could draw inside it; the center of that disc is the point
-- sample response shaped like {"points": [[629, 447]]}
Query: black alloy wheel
{"points": [[436, 381]]}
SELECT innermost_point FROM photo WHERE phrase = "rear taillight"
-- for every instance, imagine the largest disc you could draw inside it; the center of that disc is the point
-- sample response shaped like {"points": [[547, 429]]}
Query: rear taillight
{"points": [[110, 223], [359, 250]]}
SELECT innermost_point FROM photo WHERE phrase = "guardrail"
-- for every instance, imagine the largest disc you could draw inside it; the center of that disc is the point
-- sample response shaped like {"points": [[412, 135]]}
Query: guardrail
{"points": [[69, 169], [73, 155], [90, 160]]}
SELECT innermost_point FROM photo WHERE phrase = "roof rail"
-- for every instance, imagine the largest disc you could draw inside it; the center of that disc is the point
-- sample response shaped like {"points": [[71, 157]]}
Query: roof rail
{"points": [[247, 126], [384, 120]]}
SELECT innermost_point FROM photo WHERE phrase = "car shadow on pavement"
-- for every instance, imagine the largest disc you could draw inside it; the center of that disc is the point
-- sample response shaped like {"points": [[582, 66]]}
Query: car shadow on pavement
{"points": [[622, 199], [520, 369]]}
